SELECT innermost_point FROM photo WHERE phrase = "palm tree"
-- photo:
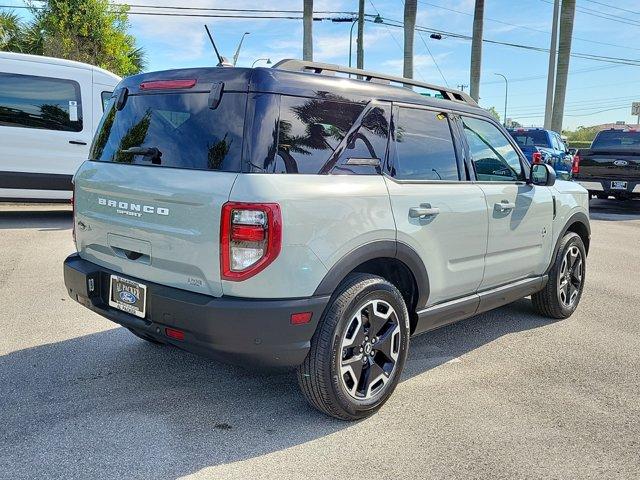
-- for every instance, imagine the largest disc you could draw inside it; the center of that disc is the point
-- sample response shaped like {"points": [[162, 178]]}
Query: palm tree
{"points": [[307, 24], [567, 13], [410, 10], [476, 50], [10, 27]]}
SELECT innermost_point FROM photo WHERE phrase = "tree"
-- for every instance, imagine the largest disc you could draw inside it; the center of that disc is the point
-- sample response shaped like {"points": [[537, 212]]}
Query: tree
{"points": [[567, 12], [410, 11], [307, 27], [90, 31], [476, 50], [10, 27], [494, 113]]}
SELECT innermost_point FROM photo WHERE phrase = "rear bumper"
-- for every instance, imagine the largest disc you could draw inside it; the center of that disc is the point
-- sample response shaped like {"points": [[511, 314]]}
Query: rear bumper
{"points": [[601, 185], [253, 332]]}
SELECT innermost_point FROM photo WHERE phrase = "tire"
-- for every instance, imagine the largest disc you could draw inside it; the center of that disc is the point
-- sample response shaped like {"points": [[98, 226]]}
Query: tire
{"points": [[145, 337], [561, 295], [346, 374]]}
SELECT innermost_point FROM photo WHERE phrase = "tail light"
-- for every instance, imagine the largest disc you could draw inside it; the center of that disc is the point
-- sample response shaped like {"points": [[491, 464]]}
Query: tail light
{"points": [[250, 238], [536, 157], [575, 165]]}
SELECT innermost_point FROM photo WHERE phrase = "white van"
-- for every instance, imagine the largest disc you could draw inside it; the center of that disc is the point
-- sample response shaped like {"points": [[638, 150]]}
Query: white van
{"points": [[49, 109]]}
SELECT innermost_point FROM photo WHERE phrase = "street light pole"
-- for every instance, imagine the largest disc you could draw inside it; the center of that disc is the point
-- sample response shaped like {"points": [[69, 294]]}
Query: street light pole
{"points": [[235, 57], [506, 94], [260, 59]]}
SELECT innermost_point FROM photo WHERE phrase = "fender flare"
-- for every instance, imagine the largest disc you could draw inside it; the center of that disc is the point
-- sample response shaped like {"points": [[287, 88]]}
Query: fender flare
{"points": [[378, 249], [578, 217]]}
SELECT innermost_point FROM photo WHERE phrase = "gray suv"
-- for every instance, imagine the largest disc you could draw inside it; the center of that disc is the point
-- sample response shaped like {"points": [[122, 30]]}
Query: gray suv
{"points": [[315, 217]]}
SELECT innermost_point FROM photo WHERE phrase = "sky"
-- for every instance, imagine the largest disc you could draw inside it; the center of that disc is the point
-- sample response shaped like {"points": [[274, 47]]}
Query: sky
{"points": [[598, 92]]}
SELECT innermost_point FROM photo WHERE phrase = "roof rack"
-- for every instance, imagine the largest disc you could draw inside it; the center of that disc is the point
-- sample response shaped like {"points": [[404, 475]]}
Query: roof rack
{"points": [[294, 65]]}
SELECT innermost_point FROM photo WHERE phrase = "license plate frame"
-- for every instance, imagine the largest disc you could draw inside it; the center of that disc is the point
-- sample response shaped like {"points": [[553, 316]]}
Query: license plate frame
{"points": [[618, 185], [128, 295]]}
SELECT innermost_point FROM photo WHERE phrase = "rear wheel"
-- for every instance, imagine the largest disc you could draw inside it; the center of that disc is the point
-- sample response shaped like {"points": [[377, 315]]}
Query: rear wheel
{"points": [[562, 293], [359, 349]]}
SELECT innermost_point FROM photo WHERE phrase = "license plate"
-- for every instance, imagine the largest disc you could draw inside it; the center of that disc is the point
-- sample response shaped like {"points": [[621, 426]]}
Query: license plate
{"points": [[618, 185], [128, 296]]}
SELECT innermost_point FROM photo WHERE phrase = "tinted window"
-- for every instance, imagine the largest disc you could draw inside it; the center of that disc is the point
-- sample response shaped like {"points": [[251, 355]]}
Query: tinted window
{"points": [[182, 127], [40, 102], [530, 138], [616, 139], [105, 96], [424, 147], [309, 131], [367, 141], [491, 153]]}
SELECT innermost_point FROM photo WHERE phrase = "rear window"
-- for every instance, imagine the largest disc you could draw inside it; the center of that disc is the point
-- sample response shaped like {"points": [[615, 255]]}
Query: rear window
{"points": [[616, 139], [531, 138], [40, 102], [185, 132]]}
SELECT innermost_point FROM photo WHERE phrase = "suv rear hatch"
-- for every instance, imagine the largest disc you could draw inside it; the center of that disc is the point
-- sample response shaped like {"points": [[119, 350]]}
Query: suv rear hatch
{"points": [[163, 161]]}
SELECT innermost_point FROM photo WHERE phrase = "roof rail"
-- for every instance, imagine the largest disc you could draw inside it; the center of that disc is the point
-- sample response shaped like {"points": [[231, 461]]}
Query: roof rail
{"points": [[294, 65]]}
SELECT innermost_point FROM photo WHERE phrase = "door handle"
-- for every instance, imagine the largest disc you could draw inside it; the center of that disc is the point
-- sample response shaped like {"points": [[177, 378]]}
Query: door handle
{"points": [[77, 142], [424, 210], [504, 206]]}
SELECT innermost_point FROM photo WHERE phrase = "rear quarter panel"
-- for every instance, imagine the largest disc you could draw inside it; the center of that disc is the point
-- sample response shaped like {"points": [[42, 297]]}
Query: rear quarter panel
{"points": [[571, 198], [324, 217]]}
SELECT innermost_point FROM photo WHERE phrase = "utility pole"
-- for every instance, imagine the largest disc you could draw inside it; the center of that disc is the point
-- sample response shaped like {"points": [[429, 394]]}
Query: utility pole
{"points": [[307, 25], [360, 40], [567, 13], [410, 10], [462, 86], [476, 50], [551, 76]]}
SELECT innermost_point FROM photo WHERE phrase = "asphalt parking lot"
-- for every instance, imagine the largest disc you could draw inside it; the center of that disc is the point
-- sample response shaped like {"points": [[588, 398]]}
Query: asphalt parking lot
{"points": [[507, 394]]}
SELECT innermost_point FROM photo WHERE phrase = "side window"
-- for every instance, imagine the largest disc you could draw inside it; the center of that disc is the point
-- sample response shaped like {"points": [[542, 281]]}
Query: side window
{"points": [[40, 102], [310, 130], [424, 146], [493, 157], [105, 96], [367, 141], [555, 144]]}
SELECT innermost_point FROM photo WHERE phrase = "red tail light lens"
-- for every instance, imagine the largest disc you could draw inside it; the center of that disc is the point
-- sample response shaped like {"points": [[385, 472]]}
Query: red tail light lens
{"points": [[250, 238], [536, 157], [167, 84], [575, 166]]}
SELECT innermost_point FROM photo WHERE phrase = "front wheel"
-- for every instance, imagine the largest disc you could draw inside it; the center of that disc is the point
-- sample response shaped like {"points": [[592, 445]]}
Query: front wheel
{"points": [[562, 293], [358, 350]]}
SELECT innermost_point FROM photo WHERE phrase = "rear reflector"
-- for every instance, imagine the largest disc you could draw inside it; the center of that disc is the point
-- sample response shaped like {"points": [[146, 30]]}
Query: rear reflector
{"points": [[167, 84], [301, 318], [175, 334]]}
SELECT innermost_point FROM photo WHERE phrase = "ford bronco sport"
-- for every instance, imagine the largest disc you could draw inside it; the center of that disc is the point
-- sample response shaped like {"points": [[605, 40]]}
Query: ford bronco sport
{"points": [[315, 217]]}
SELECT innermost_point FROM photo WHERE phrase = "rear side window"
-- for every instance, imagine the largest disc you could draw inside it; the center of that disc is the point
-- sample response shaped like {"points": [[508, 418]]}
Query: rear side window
{"points": [[424, 146], [493, 157], [309, 131], [105, 96], [181, 127], [40, 102]]}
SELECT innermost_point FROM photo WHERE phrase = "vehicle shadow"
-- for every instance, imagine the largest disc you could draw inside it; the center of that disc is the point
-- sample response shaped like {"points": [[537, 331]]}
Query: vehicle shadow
{"points": [[45, 220], [614, 210], [110, 405]]}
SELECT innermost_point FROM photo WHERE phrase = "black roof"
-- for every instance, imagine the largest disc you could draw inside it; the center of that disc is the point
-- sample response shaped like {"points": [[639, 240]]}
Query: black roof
{"points": [[275, 80]]}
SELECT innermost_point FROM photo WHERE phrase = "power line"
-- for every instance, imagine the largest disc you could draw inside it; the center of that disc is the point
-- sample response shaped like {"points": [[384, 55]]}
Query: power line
{"points": [[613, 6]]}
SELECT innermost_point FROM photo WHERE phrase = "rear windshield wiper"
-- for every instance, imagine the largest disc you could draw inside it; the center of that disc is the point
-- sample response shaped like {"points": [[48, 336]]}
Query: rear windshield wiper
{"points": [[152, 152]]}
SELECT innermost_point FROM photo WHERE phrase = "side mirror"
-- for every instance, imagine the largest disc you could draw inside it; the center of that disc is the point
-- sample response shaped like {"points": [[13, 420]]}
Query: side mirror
{"points": [[542, 174]]}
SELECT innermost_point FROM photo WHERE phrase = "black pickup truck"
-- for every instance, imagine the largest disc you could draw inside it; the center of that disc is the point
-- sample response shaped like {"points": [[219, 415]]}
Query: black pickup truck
{"points": [[611, 167]]}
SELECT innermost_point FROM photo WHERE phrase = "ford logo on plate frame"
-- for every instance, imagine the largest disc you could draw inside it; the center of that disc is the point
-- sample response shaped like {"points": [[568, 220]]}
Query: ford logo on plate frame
{"points": [[621, 163], [128, 297]]}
